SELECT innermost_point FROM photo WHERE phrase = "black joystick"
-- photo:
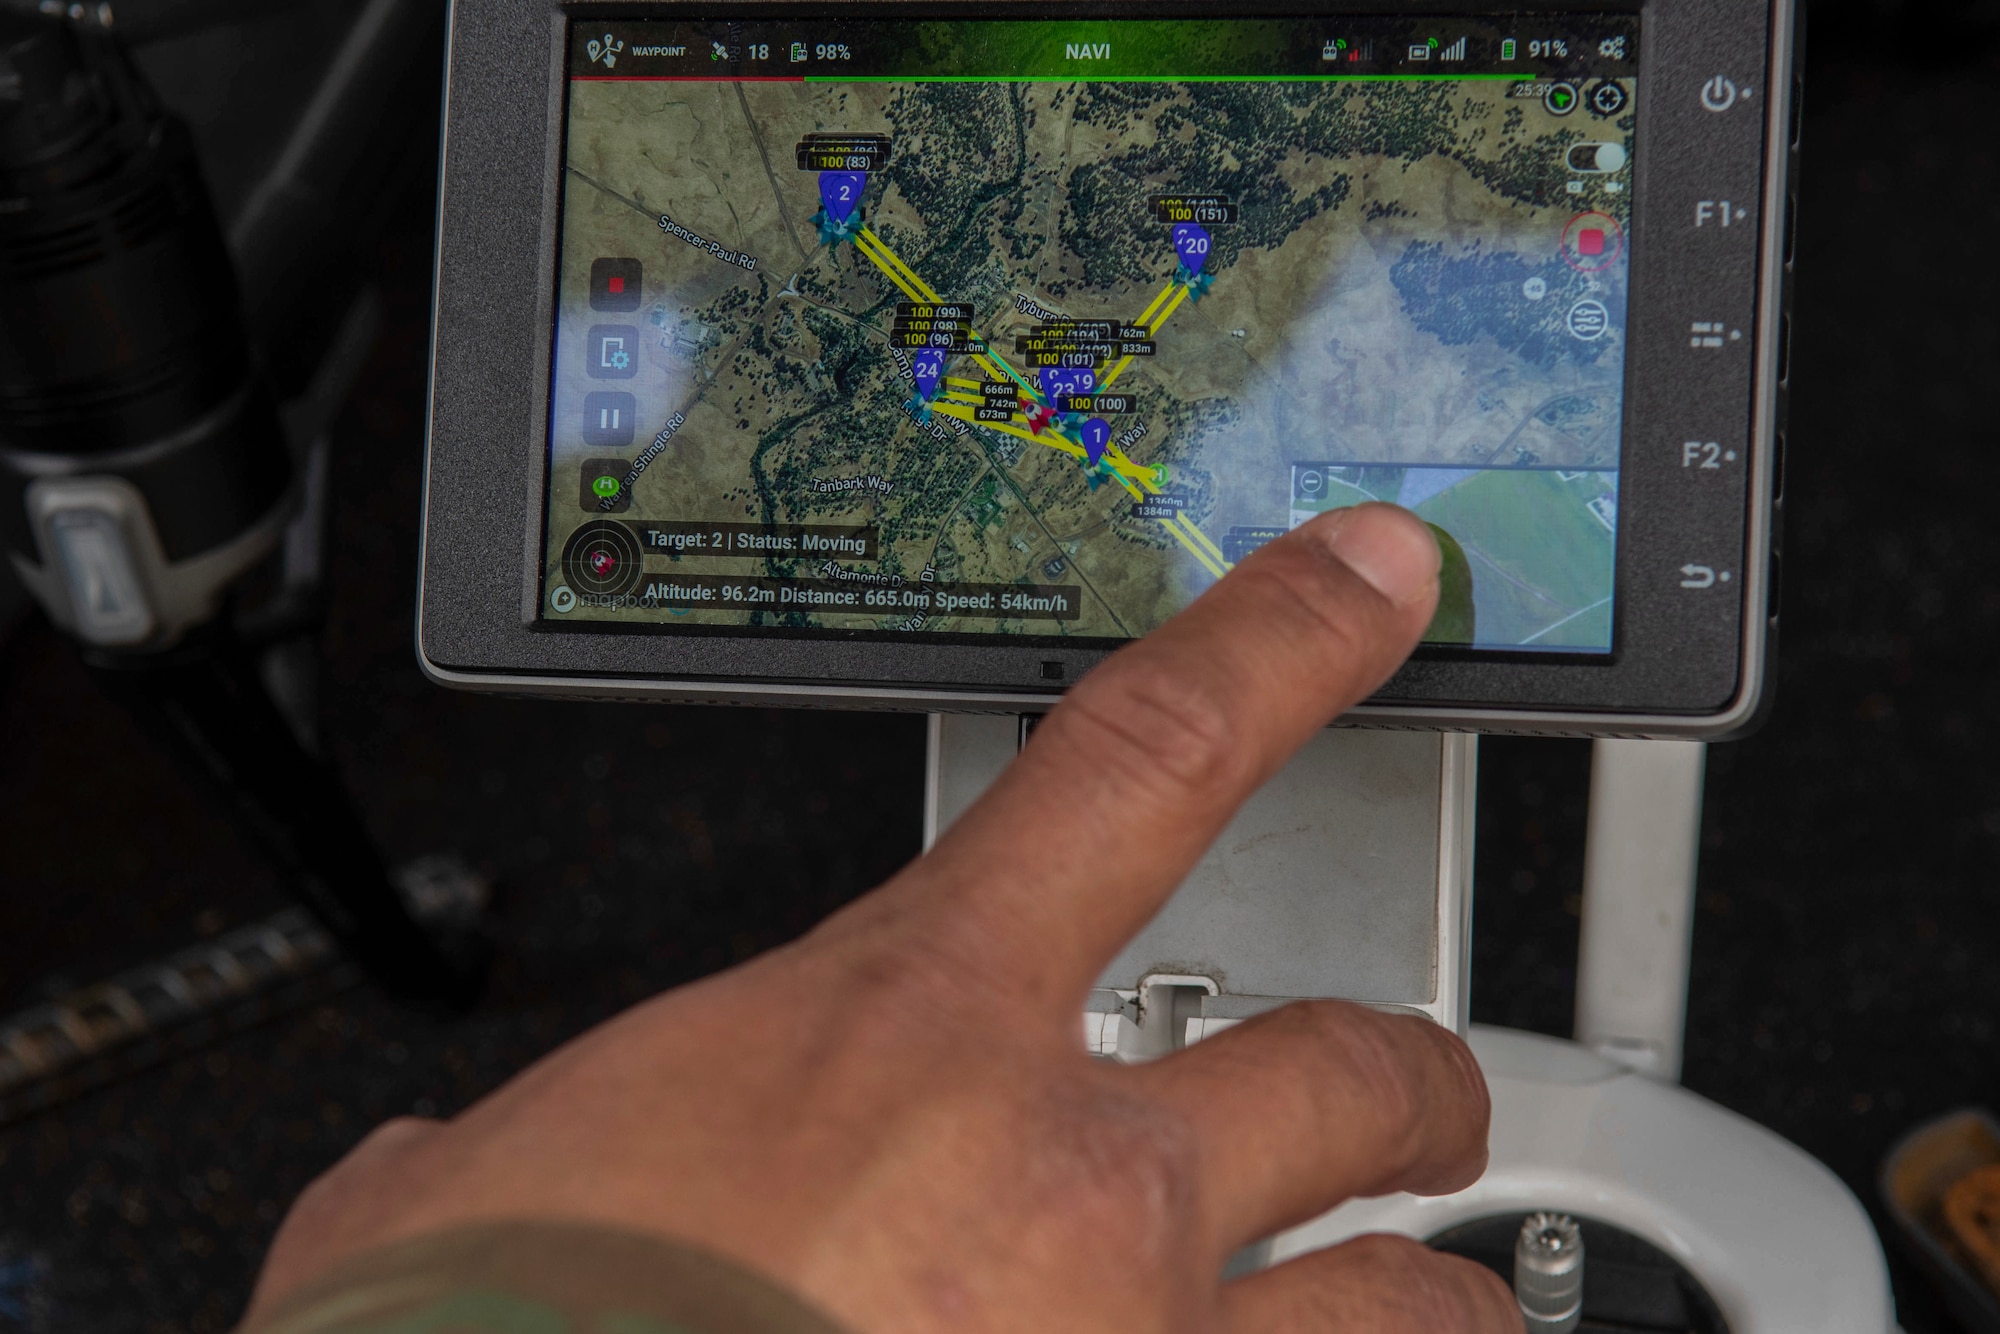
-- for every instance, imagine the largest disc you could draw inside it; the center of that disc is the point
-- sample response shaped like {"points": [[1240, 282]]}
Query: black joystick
{"points": [[143, 470]]}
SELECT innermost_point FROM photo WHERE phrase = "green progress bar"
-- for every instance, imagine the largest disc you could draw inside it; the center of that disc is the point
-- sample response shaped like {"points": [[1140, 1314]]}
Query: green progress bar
{"points": [[1162, 78]]}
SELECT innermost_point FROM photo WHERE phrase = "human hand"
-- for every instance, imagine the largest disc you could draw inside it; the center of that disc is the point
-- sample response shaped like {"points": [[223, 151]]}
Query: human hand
{"points": [[894, 1118]]}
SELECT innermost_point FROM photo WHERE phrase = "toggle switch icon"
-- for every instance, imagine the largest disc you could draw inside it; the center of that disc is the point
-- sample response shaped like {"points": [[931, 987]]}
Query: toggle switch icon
{"points": [[1597, 159]]}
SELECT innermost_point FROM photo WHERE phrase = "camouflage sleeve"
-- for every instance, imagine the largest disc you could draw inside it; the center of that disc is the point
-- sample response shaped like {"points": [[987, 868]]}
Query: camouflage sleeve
{"points": [[539, 1278]]}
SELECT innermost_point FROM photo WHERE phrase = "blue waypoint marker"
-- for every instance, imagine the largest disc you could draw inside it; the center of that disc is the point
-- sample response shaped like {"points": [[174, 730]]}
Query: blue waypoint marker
{"points": [[1191, 243], [1067, 382], [925, 367], [840, 191], [1096, 436]]}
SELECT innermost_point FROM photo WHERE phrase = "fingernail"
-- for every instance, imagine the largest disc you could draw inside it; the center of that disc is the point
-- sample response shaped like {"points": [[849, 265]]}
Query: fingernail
{"points": [[1389, 547]]}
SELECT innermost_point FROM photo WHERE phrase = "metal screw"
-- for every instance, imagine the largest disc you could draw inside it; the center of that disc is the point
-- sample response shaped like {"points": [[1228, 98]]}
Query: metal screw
{"points": [[1548, 1273]]}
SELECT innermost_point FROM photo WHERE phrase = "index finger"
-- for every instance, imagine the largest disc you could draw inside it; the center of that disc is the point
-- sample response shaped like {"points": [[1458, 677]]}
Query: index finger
{"points": [[1126, 784]]}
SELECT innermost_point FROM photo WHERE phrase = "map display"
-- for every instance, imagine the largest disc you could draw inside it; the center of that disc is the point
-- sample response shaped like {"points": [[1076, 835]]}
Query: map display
{"points": [[1038, 328]]}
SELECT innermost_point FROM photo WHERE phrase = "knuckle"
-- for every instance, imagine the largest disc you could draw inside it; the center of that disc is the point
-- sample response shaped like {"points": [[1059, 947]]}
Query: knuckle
{"points": [[1372, 1058], [1468, 1080], [1416, 1087]]}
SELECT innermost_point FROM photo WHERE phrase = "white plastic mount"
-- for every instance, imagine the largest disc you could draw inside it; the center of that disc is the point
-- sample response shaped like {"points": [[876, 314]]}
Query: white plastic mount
{"points": [[1347, 876], [1778, 1241], [1316, 889]]}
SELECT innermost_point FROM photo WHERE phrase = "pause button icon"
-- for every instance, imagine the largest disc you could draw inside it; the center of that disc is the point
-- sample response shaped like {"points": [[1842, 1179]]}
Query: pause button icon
{"points": [[608, 418]]}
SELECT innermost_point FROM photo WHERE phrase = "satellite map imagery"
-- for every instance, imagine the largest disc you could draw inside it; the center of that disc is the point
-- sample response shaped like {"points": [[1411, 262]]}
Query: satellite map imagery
{"points": [[934, 350]]}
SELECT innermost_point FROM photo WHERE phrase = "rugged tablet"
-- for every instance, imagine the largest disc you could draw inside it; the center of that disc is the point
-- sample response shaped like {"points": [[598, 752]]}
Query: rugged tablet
{"points": [[921, 355]]}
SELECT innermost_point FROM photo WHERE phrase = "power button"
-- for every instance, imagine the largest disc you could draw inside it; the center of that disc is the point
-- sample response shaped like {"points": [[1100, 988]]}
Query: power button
{"points": [[1721, 93]]}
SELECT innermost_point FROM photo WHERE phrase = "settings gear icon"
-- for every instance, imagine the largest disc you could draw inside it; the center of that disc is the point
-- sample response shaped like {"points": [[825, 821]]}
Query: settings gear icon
{"points": [[612, 350]]}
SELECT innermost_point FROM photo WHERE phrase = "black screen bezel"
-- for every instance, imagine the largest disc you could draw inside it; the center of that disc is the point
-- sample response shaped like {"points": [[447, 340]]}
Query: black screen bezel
{"points": [[1683, 663]]}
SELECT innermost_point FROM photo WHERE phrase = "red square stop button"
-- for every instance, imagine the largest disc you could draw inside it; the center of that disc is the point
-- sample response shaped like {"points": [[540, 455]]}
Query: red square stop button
{"points": [[615, 284]]}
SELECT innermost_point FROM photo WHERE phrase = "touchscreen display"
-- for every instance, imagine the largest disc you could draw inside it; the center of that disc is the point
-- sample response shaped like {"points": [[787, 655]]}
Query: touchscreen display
{"points": [[1035, 328]]}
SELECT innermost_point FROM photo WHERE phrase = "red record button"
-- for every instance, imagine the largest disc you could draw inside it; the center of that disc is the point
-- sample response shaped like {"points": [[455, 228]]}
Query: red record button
{"points": [[1593, 242]]}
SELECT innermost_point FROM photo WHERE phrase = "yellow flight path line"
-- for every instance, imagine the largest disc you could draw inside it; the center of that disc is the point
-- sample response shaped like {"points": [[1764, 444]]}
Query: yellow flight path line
{"points": [[1206, 541], [914, 293], [1203, 538], [1207, 561], [1119, 460], [1154, 327], [1119, 478], [963, 383], [1172, 306], [1010, 372], [887, 271], [867, 246], [991, 369], [1123, 463], [1147, 314], [892, 264], [897, 261], [1052, 441], [1003, 367]]}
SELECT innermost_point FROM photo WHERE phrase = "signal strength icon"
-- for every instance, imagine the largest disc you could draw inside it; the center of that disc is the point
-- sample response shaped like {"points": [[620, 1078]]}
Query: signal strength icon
{"points": [[1456, 51]]}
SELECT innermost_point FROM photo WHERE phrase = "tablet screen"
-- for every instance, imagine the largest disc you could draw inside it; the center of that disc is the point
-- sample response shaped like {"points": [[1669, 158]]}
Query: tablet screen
{"points": [[1036, 328]]}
